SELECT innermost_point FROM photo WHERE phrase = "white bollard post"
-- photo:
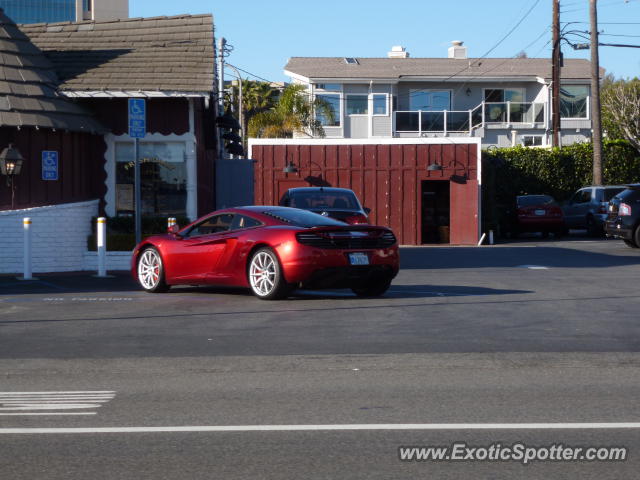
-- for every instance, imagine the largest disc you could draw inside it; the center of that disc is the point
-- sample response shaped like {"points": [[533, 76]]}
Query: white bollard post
{"points": [[102, 246], [26, 226], [171, 221], [490, 237], [484, 235]]}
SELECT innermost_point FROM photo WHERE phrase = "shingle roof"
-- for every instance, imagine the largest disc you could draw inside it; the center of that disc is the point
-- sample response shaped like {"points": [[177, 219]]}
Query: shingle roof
{"points": [[28, 96], [396, 68], [160, 53]]}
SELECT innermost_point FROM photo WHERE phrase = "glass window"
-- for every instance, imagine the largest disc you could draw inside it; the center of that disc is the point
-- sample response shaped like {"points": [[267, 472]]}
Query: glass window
{"points": [[532, 200], [429, 100], [214, 224], [324, 199], [163, 177], [532, 140], [328, 103], [333, 87], [504, 95], [357, 104], [582, 196], [573, 101], [380, 104], [302, 218], [36, 11], [241, 221]]}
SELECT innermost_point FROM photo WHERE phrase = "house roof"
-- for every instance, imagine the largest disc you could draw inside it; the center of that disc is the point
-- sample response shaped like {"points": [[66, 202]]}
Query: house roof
{"points": [[405, 68], [162, 54], [28, 96]]}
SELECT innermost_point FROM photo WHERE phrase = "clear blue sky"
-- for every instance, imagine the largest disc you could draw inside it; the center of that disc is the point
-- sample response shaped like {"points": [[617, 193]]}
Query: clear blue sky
{"points": [[266, 33]]}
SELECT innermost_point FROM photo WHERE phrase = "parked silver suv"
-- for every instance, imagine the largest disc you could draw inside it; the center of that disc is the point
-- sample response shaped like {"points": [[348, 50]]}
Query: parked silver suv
{"points": [[588, 207]]}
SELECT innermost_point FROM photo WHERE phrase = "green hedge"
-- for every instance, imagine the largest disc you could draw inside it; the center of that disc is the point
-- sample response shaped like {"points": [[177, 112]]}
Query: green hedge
{"points": [[559, 172]]}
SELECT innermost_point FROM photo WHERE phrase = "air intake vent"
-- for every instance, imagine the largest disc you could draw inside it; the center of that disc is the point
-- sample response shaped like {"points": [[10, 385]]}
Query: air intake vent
{"points": [[346, 241]]}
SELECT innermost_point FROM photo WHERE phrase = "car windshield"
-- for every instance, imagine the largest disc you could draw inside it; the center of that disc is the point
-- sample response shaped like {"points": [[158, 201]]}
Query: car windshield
{"points": [[302, 218], [321, 199], [532, 200]]}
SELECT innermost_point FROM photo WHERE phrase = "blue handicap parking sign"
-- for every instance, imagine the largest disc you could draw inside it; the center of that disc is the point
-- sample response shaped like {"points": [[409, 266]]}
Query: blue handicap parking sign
{"points": [[137, 118], [49, 165]]}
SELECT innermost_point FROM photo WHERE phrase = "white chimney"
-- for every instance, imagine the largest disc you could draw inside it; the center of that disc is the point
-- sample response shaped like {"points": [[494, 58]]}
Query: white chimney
{"points": [[456, 50], [398, 52]]}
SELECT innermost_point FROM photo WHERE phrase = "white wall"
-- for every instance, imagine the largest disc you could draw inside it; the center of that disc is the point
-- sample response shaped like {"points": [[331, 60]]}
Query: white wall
{"points": [[59, 237]]}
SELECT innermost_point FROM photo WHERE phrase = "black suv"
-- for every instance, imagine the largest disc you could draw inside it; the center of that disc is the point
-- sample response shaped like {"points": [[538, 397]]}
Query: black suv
{"points": [[623, 220]]}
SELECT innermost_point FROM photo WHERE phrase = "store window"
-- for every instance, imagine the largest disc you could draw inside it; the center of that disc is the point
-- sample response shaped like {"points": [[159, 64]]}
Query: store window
{"points": [[163, 178]]}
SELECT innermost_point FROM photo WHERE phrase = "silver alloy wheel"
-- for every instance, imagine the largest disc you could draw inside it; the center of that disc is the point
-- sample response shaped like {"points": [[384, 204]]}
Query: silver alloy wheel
{"points": [[149, 266], [262, 273]]}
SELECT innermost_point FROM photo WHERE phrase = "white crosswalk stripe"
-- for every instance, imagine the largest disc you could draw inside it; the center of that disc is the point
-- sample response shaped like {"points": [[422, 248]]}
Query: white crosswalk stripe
{"points": [[54, 402]]}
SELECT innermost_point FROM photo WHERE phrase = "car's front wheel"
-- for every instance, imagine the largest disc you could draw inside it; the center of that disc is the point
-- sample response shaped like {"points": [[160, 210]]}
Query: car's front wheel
{"points": [[631, 243], [265, 276], [151, 271]]}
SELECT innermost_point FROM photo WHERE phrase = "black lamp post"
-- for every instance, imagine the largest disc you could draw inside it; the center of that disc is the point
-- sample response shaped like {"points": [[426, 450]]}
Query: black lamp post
{"points": [[11, 165]]}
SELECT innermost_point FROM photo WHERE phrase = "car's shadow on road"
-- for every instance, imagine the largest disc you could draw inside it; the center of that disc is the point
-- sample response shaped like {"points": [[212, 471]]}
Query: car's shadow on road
{"points": [[395, 291]]}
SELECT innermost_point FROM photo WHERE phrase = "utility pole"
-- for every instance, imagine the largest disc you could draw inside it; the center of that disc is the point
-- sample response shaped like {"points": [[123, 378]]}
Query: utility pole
{"points": [[555, 76], [595, 95]]}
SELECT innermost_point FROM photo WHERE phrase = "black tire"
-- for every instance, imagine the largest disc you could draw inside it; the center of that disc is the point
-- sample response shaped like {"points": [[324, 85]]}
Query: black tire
{"points": [[265, 277], [150, 274], [631, 243], [545, 234], [375, 288], [592, 228], [559, 233], [636, 236]]}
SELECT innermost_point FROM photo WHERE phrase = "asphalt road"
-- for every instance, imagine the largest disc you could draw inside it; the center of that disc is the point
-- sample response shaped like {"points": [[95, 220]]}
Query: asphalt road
{"points": [[485, 340]]}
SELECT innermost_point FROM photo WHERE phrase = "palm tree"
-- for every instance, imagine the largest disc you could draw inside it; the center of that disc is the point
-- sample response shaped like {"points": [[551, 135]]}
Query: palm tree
{"points": [[295, 113]]}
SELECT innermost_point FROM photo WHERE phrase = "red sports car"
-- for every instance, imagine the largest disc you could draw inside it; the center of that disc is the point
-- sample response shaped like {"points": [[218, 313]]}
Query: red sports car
{"points": [[272, 250]]}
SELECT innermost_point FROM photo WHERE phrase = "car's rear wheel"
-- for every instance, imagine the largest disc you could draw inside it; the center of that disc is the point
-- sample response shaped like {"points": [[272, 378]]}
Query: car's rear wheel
{"points": [[636, 236], [592, 228], [265, 276], [373, 288], [631, 243], [151, 271]]}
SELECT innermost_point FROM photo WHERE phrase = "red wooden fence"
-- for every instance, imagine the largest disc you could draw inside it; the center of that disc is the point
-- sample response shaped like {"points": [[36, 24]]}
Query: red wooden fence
{"points": [[386, 178]]}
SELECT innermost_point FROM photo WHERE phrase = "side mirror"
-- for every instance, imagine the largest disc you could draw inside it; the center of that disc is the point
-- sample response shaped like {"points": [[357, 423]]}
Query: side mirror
{"points": [[367, 210], [173, 229]]}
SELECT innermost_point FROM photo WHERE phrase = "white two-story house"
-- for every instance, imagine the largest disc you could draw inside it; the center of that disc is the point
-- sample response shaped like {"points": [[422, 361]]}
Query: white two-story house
{"points": [[503, 101]]}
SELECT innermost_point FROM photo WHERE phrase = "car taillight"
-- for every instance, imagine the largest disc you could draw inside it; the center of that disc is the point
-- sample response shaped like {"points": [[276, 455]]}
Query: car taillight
{"points": [[624, 209], [356, 219]]}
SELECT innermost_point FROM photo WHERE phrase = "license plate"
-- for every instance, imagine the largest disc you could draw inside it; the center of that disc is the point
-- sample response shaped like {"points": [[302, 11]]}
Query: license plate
{"points": [[540, 212], [358, 258]]}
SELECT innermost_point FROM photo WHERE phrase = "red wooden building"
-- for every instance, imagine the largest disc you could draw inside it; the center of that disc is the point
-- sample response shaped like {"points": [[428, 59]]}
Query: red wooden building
{"points": [[85, 72], [422, 205]]}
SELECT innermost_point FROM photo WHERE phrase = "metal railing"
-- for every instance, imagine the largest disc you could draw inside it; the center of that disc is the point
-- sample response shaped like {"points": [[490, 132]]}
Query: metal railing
{"points": [[466, 121]]}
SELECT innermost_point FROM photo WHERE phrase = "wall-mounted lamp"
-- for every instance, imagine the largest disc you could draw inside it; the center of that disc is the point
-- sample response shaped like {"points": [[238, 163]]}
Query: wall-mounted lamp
{"points": [[11, 165], [434, 167], [290, 168]]}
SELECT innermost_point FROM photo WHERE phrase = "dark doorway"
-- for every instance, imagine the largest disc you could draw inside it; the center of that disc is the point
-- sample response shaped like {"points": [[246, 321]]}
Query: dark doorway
{"points": [[435, 211]]}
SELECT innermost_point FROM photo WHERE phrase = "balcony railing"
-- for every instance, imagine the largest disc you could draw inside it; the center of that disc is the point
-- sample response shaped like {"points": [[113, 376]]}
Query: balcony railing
{"points": [[465, 121]]}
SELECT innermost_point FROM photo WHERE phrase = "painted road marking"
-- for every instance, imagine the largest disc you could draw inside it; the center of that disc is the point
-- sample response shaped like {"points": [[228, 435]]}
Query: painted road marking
{"points": [[53, 403], [339, 427], [533, 267]]}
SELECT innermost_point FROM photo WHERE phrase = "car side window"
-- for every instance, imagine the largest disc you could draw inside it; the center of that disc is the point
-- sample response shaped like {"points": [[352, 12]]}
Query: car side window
{"points": [[214, 224], [582, 196], [241, 222], [586, 196], [284, 201]]}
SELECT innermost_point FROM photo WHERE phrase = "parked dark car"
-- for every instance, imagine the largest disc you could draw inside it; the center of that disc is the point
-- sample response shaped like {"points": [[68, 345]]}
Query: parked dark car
{"points": [[587, 208], [535, 213], [339, 203], [623, 220]]}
